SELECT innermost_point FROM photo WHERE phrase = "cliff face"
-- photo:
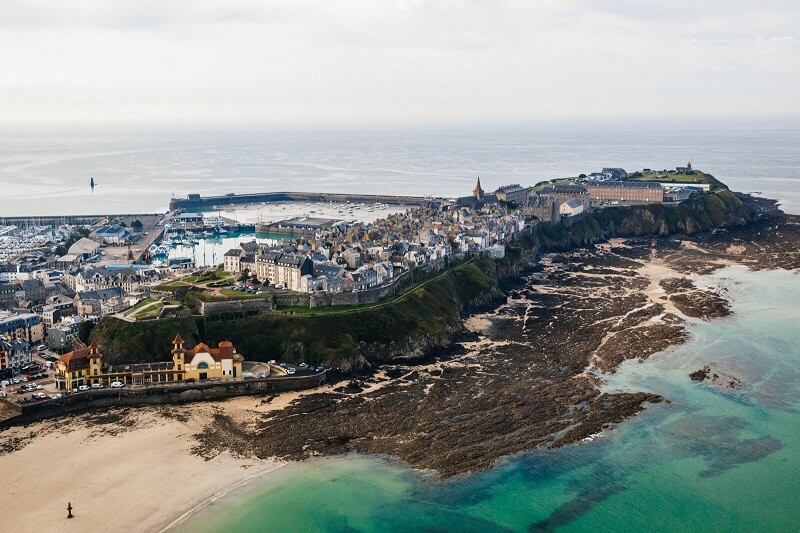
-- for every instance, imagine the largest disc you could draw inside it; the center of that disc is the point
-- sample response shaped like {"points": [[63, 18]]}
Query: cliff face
{"points": [[701, 213], [141, 342], [425, 319]]}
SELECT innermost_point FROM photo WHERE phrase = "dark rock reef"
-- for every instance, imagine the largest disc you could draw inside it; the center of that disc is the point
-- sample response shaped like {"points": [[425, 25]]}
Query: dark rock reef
{"points": [[526, 371]]}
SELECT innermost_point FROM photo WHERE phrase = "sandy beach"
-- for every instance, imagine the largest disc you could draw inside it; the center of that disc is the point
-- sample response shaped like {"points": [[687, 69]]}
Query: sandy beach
{"points": [[140, 474]]}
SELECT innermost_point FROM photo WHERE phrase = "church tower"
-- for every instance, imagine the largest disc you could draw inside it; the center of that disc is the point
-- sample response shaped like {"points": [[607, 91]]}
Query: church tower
{"points": [[478, 191]]}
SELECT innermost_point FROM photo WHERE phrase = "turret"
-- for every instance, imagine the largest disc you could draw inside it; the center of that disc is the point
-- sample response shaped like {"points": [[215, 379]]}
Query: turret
{"points": [[178, 354], [95, 361]]}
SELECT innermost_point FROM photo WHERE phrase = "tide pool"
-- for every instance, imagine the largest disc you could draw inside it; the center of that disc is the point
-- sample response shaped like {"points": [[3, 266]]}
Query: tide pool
{"points": [[713, 459]]}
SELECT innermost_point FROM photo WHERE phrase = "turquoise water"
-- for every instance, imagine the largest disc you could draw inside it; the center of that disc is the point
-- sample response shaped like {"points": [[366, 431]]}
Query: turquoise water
{"points": [[711, 460]]}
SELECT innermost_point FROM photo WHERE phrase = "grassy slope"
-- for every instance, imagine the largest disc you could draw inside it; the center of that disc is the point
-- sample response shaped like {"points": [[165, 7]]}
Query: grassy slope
{"points": [[428, 312]]}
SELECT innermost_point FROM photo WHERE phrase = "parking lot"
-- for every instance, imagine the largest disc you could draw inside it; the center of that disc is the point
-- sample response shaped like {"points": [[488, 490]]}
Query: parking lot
{"points": [[35, 383]]}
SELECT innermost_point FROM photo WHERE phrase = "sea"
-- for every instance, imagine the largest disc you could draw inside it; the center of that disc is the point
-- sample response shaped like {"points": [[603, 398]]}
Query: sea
{"points": [[712, 459], [49, 174]]}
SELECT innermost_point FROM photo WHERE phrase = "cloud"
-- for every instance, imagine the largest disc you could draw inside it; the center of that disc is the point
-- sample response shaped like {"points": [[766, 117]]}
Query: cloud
{"points": [[394, 61]]}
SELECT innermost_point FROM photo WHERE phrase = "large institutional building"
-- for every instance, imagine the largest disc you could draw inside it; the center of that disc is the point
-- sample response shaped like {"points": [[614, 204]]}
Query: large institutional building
{"points": [[625, 192], [87, 366]]}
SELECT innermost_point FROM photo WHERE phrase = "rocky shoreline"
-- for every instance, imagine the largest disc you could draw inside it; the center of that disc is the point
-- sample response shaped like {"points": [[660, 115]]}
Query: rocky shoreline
{"points": [[527, 373], [523, 373]]}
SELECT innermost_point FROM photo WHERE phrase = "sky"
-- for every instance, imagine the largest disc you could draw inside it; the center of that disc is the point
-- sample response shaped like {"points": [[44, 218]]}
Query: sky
{"points": [[265, 63]]}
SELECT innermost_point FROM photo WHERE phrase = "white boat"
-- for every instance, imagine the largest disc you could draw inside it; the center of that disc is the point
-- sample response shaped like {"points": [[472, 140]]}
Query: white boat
{"points": [[221, 230]]}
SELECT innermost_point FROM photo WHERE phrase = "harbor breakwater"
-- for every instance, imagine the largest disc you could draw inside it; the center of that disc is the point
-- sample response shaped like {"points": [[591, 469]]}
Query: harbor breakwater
{"points": [[196, 201]]}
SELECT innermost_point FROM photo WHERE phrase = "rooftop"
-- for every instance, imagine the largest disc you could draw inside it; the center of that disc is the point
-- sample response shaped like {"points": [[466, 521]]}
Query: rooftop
{"points": [[625, 184]]}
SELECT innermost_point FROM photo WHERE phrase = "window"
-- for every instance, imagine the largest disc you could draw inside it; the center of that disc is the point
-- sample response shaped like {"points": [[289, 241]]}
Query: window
{"points": [[202, 364]]}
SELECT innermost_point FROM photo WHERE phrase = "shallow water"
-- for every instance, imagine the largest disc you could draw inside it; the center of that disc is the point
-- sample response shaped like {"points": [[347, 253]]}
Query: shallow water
{"points": [[713, 459]]}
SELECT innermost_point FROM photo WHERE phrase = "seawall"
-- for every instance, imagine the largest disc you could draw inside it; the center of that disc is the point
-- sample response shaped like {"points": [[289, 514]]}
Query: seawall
{"points": [[161, 395]]}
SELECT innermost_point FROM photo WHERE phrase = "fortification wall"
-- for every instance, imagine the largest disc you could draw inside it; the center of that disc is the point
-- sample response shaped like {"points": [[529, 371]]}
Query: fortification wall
{"points": [[230, 308]]}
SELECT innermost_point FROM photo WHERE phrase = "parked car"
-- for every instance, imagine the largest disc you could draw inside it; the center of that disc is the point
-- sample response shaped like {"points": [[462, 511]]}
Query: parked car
{"points": [[117, 384], [55, 396], [24, 399], [83, 387], [97, 385]]}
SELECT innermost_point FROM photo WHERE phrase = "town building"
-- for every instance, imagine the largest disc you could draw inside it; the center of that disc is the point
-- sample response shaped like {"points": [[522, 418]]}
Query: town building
{"points": [[685, 170], [8, 272], [232, 260], [84, 249], [625, 192], [512, 193], [543, 208], [88, 366], [571, 208], [615, 173], [564, 192], [110, 235], [283, 269], [678, 194], [14, 355], [27, 327]]}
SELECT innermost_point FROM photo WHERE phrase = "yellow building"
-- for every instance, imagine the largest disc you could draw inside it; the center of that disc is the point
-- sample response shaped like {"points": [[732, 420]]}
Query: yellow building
{"points": [[87, 366], [201, 362], [73, 369]]}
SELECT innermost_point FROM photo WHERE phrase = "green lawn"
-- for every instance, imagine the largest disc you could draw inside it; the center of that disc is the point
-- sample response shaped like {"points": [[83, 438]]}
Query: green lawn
{"points": [[149, 311], [672, 176]]}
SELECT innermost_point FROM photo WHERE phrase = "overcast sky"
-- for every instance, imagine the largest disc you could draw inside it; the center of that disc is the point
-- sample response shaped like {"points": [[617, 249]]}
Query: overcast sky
{"points": [[395, 62]]}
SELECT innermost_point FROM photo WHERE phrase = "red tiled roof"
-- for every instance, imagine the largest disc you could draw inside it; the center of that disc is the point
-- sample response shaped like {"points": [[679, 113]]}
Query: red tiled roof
{"points": [[224, 350], [76, 359]]}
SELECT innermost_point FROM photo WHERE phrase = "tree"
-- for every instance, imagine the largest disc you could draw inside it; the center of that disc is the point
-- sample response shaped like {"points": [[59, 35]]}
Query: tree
{"points": [[582, 176], [245, 275], [81, 231], [85, 331]]}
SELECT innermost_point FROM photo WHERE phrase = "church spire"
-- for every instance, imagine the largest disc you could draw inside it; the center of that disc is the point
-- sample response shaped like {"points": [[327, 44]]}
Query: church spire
{"points": [[478, 191]]}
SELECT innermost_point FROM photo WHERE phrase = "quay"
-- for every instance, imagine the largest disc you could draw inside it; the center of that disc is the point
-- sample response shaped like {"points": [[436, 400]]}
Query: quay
{"points": [[196, 201]]}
